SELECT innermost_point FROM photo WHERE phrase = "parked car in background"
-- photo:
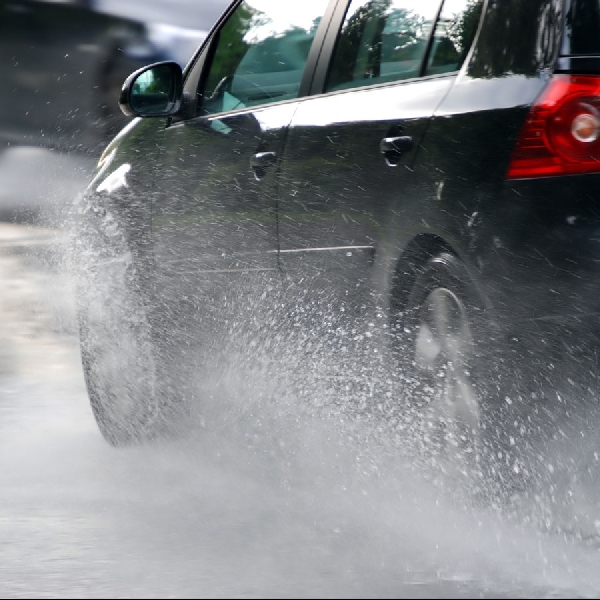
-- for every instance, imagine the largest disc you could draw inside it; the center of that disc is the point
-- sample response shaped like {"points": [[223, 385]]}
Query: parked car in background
{"points": [[62, 64], [427, 171], [175, 27]]}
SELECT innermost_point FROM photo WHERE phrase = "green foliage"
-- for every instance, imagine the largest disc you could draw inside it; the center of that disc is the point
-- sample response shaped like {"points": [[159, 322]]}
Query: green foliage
{"points": [[233, 38], [462, 30]]}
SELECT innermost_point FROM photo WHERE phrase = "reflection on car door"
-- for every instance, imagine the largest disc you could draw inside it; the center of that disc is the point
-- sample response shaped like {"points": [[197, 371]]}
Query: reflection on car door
{"points": [[347, 161], [214, 221]]}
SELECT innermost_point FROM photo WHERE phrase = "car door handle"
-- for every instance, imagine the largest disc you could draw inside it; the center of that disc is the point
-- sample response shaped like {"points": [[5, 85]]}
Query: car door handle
{"points": [[261, 161], [393, 148]]}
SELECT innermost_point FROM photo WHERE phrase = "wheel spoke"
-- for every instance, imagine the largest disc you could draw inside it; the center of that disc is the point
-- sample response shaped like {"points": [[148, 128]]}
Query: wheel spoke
{"points": [[427, 347], [443, 348], [468, 401], [441, 309]]}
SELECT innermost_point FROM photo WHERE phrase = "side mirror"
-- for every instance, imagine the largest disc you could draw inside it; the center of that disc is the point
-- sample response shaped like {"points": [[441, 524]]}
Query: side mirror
{"points": [[153, 91]]}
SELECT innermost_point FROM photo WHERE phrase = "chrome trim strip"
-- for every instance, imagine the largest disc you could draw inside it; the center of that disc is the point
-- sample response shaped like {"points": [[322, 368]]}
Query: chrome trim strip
{"points": [[323, 249], [253, 270]]}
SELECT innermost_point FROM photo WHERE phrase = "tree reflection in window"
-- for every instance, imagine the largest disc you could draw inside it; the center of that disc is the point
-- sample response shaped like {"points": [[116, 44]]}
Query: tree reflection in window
{"points": [[260, 53]]}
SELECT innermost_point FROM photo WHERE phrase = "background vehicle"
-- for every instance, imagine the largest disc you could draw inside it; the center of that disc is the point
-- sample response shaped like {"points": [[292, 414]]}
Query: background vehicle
{"points": [[431, 174], [62, 64]]}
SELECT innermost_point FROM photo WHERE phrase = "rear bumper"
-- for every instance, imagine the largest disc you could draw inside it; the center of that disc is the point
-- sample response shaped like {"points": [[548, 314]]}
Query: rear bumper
{"points": [[538, 251], [537, 258]]}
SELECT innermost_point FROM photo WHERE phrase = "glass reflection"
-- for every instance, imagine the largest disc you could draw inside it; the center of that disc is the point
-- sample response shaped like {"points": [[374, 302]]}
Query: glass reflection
{"points": [[153, 90], [261, 53]]}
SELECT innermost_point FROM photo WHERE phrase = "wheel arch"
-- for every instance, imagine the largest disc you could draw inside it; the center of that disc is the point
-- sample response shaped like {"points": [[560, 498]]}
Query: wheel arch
{"points": [[413, 259], [415, 255]]}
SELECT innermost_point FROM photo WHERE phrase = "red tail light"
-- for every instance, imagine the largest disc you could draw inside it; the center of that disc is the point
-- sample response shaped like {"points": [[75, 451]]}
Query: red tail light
{"points": [[562, 133]]}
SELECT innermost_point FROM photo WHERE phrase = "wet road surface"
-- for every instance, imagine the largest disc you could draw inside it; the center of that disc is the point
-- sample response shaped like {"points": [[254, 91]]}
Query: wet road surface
{"points": [[296, 513]]}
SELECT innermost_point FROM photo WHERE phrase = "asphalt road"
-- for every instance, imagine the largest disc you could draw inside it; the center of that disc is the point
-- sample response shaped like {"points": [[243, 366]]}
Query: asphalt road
{"points": [[289, 509]]}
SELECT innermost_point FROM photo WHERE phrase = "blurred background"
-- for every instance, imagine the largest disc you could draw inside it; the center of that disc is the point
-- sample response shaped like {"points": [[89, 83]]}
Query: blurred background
{"points": [[267, 502], [62, 64]]}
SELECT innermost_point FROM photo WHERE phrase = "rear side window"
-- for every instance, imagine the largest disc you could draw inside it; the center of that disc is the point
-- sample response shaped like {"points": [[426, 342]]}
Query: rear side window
{"points": [[388, 40], [381, 40], [260, 54], [582, 28], [454, 33]]}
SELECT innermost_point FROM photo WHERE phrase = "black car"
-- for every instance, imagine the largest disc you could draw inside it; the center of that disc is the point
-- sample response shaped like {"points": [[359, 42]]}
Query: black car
{"points": [[363, 178]]}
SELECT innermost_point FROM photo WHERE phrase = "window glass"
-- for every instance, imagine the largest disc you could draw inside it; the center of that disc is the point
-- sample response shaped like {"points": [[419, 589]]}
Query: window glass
{"points": [[582, 28], [260, 53], [382, 40], [454, 34]]}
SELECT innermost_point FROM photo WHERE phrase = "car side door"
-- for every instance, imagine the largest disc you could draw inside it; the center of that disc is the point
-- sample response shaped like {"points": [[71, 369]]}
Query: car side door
{"points": [[214, 218], [347, 163]]}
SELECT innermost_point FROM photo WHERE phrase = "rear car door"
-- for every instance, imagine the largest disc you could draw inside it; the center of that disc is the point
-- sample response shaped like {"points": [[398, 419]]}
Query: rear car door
{"points": [[347, 165], [214, 219]]}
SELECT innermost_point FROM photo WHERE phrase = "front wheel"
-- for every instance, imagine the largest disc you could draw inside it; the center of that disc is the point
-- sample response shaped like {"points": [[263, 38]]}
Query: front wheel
{"points": [[118, 356]]}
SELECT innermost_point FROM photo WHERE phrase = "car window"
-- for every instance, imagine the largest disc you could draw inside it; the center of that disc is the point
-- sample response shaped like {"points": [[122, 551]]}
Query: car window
{"points": [[581, 28], [382, 40], [386, 40], [260, 54], [454, 34]]}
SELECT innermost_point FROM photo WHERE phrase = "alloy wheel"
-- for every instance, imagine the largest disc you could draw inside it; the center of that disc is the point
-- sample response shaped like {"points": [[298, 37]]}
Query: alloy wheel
{"points": [[443, 352]]}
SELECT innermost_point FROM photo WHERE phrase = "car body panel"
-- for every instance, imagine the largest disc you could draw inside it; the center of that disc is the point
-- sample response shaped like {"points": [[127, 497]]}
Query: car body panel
{"points": [[219, 229], [118, 199], [329, 218], [226, 218], [342, 223]]}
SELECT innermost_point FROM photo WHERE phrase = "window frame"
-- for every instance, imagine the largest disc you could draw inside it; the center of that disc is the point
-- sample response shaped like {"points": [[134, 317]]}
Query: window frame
{"points": [[197, 70], [328, 51]]}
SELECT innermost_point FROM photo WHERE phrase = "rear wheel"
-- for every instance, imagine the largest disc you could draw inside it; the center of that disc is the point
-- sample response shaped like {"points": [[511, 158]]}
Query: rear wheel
{"points": [[442, 355], [439, 344]]}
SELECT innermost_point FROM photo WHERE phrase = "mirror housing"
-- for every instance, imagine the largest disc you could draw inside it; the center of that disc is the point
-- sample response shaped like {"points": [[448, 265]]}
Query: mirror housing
{"points": [[153, 91]]}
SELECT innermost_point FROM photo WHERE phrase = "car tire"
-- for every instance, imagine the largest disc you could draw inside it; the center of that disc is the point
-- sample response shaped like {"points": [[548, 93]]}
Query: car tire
{"points": [[128, 382], [443, 340], [118, 357]]}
